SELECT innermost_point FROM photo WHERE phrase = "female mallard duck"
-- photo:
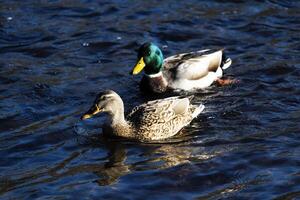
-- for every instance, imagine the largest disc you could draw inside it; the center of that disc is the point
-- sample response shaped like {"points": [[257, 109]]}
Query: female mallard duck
{"points": [[154, 120], [186, 71]]}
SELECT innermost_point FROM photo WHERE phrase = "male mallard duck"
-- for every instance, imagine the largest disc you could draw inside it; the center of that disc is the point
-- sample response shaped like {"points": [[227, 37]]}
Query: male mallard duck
{"points": [[186, 71], [154, 120]]}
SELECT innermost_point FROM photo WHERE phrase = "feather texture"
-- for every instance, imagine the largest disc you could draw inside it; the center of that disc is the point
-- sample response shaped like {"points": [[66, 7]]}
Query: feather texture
{"points": [[185, 71], [154, 120], [163, 118], [193, 70]]}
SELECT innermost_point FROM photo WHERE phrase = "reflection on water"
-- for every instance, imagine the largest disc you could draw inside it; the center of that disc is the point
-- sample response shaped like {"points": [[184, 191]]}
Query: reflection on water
{"points": [[55, 56], [114, 166]]}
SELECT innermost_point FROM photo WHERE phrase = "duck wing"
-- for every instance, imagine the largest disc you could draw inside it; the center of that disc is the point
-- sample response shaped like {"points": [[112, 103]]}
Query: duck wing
{"points": [[161, 118], [162, 108], [193, 65]]}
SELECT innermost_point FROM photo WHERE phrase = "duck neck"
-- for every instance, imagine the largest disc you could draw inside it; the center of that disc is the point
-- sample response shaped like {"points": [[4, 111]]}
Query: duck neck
{"points": [[153, 69], [120, 127], [156, 75], [117, 117], [155, 83]]}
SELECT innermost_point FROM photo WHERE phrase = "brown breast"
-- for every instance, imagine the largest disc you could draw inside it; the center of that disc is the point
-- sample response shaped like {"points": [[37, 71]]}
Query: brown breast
{"points": [[154, 85]]}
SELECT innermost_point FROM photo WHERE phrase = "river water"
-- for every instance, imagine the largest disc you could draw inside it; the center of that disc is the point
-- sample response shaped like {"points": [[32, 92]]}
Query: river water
{"points": [[55, 56]]}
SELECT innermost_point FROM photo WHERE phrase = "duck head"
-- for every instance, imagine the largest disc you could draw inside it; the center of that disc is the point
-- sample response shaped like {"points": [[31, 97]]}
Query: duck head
{"points": [[150, 59], [108, 101]]}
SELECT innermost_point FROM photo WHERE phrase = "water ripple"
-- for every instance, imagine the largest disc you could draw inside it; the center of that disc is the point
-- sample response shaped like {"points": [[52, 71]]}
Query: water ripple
{"points": [[55, 56]]}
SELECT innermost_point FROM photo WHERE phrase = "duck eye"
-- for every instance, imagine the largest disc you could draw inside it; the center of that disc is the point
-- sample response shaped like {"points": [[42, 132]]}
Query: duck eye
{"points": [[148, 53]]}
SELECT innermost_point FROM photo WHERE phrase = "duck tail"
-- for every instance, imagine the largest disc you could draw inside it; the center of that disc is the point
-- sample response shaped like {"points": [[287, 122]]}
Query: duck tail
{"points": [[198, 110], [226, 61]]}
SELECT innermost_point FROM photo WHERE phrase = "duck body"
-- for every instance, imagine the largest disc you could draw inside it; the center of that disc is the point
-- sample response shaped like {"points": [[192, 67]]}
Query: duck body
{"points": [[186, 71], [154, 120], [163, 118]]}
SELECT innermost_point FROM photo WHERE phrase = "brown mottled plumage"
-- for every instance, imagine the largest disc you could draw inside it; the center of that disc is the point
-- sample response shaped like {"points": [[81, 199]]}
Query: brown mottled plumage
{"points": [[154, 120]]}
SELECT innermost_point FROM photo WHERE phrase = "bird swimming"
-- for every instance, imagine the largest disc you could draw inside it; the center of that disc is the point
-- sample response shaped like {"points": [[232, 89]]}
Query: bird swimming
{"points": [[185, 71], [153, 120]]}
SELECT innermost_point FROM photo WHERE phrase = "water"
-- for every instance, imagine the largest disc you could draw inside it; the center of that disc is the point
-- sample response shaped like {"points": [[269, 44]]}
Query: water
{"points": [[56, 55]]}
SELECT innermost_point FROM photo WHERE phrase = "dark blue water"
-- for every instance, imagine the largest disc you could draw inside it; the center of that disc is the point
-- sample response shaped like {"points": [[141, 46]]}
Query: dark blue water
{"points": [[56, 55]]}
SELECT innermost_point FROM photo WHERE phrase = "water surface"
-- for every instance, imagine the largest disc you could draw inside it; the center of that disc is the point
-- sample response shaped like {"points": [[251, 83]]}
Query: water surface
{"points": [[56, 55]]}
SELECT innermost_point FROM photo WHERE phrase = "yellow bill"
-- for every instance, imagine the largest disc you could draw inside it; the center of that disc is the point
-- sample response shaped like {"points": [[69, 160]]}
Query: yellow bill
{"points": [[91, 112], [138, 67]]}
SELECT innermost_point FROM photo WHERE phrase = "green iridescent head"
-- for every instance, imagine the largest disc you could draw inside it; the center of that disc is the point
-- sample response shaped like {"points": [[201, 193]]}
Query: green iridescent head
{"points": [[150, 58]]}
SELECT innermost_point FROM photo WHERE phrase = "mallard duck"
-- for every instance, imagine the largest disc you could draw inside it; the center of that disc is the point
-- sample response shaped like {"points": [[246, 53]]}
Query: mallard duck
{"points": [[186, 71], [154, 120]]}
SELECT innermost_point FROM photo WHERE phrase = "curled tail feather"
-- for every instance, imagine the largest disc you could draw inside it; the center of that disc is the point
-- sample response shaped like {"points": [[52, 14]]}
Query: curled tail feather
{"points": [[226, 62]]}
